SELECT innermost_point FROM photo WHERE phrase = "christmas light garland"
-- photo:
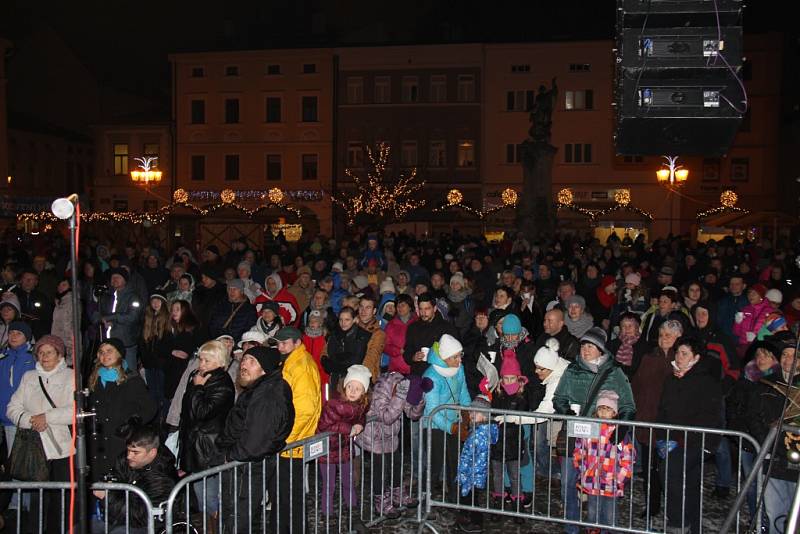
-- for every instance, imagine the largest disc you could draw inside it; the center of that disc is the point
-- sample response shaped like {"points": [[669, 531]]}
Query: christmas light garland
{"points": [[727, 200], [455, 199], [622, 199]]}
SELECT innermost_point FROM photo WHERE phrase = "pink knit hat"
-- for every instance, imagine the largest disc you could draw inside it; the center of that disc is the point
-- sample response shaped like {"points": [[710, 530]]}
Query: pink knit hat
{"points": [[51, 340]]}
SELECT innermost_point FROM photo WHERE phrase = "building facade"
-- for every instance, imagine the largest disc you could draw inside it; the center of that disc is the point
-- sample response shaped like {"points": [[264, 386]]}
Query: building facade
{"points": [[4, 45]]}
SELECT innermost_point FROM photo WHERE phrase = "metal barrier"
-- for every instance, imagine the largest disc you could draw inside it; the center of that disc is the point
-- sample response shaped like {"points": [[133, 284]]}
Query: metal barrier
{"points": [[339, 484], [116, 510], [660, 489]]}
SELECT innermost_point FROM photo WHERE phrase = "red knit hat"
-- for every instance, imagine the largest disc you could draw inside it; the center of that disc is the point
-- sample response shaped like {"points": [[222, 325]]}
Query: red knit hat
{"points": [[761, 289]]}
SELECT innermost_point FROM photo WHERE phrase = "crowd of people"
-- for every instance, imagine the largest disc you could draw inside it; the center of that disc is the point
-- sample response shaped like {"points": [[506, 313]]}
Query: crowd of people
{"points": [[192, 361]]}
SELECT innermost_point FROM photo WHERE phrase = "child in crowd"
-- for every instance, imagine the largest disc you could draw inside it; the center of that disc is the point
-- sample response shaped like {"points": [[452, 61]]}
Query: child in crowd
{"points": [[392, 396], [344, 415], [511, 451], [314, 341], [473, 466], [603, 465]]}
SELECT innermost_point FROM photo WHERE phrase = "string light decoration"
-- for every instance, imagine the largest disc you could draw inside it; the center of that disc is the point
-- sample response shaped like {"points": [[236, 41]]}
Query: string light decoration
{"points": [[727, 200], [565, 196], [180, 196], [295, 195], [622, 197], [454, 196], [275, 195], [379, 196], [621, 202], [228, 196], [509, 197]]}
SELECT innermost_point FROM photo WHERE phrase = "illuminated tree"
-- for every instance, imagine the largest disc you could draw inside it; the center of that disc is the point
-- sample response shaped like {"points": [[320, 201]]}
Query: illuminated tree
{"points": [[380, 197]]}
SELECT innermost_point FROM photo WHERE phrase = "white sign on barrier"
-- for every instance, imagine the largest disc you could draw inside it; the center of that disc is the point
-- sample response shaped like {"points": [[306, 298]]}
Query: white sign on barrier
{"points": [[314, 449], [580, 429]]}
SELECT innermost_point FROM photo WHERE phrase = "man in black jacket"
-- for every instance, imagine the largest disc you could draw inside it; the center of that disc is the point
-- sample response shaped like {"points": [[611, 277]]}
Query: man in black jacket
{"points": [[35, 306], [147, 465], [255, 431], [568, 345], [233, 316], [208, 294], [423, 333], [121, 312]]}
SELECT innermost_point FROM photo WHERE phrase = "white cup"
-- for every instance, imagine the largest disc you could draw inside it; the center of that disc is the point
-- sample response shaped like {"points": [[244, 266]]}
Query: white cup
{"points": [[575, 408]]}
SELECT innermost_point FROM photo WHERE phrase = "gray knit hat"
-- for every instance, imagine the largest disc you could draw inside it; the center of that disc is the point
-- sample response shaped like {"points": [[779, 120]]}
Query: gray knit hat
{"points": [[596, 336]]}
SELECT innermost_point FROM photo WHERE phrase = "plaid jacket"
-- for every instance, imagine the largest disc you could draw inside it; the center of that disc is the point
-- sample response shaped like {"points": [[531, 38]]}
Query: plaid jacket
{"points": [[603, 466]]}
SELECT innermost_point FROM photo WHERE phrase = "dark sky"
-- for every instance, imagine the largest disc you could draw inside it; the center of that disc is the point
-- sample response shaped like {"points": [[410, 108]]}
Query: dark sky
{"points": [[125, 42]]}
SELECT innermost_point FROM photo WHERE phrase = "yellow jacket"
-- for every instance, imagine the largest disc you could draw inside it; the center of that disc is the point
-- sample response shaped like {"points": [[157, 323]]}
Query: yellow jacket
{"points": [[302, 375]]}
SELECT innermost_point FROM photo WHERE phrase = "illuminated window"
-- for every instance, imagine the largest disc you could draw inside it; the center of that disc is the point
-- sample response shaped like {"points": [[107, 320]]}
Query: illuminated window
{"points": [[466, 153], [120, 159]]}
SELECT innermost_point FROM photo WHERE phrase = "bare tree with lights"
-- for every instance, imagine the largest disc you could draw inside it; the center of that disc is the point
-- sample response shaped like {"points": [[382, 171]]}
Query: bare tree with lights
{"points": [[380, 197]]}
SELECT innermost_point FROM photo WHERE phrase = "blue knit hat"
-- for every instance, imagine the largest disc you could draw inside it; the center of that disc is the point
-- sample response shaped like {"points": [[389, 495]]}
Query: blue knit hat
{"points": [[21, 326], [511, 324]]}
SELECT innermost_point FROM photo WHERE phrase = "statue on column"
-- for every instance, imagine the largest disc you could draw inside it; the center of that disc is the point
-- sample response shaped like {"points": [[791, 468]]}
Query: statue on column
{"points": [[541, 115]]}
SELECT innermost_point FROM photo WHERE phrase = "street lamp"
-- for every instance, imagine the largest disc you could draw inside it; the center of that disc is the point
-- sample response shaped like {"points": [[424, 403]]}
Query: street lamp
{"points": [[145, 173], [672, 176]]}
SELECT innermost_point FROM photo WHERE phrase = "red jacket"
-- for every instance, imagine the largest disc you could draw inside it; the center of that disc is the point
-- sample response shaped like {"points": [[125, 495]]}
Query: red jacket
{"points": [[315, 346], [396, 342], [339, 416], [288, 308]]}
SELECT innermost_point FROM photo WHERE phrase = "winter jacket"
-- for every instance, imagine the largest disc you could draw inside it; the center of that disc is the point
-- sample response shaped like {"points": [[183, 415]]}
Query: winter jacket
{"points": [[114, 404], [754, 317], [339, 416], [123, 309], [344, 348], [288, 308], [473, 465], [260, 422], [395, 341], [29, 400], [421, 334], [574, 386], [176, 404], [156, 479], [316, 346], [568, 345], [384, 417], [446, 390], [652, 321], [551, 384], [694, 400], [511, 442], [302, 295], [154, 353], [460, 308], [603, 466], [205, 409], [727, 307], [377, 340], [640, 348], [300, 372], [268, 329], [38, 309], [737, 401], [9, 299], [63, 322], [205, 300], [244, 317], [14, 363], [186, 341], [647, 385]]}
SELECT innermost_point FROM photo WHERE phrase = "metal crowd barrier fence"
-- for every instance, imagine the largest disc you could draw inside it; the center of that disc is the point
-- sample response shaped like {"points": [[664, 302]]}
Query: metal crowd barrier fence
{"points": [[43, 508], [334, 485], [645, 478]]}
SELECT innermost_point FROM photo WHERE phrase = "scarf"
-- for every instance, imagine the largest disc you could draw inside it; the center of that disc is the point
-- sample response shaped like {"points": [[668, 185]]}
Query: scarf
{"points": [[107, 375], [62, 364], [579, 326], [447, 372], [523, 335], [680, 373], [404, 319], [313, 332], [625, 351], [595, 365], [458, 296]]}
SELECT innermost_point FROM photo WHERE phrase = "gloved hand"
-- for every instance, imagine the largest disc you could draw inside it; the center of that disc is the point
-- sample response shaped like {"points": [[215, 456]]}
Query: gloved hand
{"points": [[402, 388], [750, 336], [739, 317], [664, 447], [417, 387]]}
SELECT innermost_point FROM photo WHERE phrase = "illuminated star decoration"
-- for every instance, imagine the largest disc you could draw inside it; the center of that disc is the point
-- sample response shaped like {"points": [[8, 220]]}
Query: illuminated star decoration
{"points": [[378, 196], [727, 200]]}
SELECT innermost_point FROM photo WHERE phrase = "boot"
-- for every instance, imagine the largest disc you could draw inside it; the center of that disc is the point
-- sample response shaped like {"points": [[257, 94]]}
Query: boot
{"points": [[212, 523], [384, 507], [404, 501]]}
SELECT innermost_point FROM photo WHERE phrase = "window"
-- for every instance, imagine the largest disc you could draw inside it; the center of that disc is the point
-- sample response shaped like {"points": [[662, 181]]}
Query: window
{"points": [[231, 70], [120, 159], [521, 100], [437, 156], [520, 68], [740, 169], [309, 68], [578, 153], [273, 69], [408, 154], [310, 162], [355, 155], [579, 99], [231, 167], [410, 89], [273, 109], [711, 169], [231, 110], [466, 88], [150, 150], [633, 159], [309, 109], [438, 88], [198, 111], [513, 153], [383, 90], [355, 90], [198, 168], [198, 72], [150, 205], [580, 67], [274, 167], [466, 153]]}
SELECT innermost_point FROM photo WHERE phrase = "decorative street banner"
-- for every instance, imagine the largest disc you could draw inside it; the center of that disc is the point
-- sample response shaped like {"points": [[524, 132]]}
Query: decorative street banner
{"points": [[10, 206]]}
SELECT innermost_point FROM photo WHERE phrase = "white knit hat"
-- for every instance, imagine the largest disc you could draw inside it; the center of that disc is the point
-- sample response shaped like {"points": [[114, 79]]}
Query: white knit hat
{"points": [[774, 295], [449, 347], [253, 335], [457, 277], [387, 286], [360, 374], [547, 356], [360, 281], [337, 267]]}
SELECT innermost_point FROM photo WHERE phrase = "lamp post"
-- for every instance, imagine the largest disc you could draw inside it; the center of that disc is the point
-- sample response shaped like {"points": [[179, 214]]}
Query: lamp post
{"points": [[672, 176]]}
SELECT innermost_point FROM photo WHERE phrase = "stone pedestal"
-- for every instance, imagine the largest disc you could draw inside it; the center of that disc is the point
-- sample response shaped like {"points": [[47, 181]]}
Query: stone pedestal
{"points": [[536, 214]]}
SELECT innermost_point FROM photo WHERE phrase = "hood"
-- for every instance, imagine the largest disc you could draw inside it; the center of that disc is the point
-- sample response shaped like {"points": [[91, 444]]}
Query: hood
{"points": [[12, 300], [386, 297], [560, 367], [712, 314], [278, 283]]}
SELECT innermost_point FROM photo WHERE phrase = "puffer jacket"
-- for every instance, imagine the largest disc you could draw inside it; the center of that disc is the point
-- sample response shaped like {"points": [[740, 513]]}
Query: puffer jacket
{"points": [[511, 443], [737, 402], [473, 465], [300, 372], [260, 422], [754, 317], [574, 386], [205, 409], [550, 385], [446, 390], [125, 318], [14, 363], [377, 340], [603, 465], [288, 308], [647, 385], [344, 348], [384, 417], [396, 341], [156, 479], [339, 416]]}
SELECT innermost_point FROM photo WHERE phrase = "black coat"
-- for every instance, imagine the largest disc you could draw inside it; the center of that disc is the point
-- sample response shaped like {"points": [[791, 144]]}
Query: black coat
{"points": [[423, 334], [260, 421], [243, 319], [186, 341], [114, 404], [204, 300], [343, 350], [568, 345], [640, 348], [153, 354], [203, 414], [511, 442], [36, 309], [156, 479]]}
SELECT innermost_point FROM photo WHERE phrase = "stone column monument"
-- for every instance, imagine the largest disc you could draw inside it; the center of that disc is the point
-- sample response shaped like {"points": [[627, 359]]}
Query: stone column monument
{"points": [[535, 212]]}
